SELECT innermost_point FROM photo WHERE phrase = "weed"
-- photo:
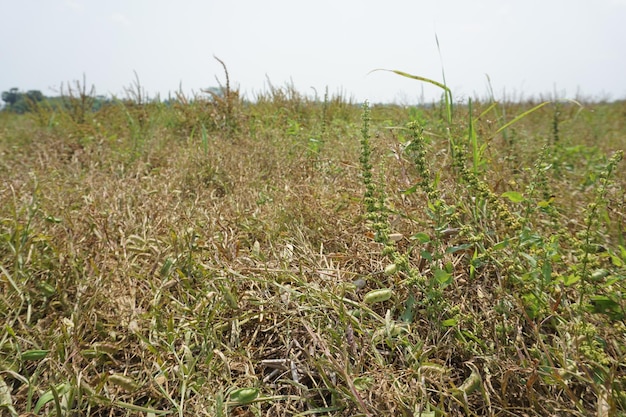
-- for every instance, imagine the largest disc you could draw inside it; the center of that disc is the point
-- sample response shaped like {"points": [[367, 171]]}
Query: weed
{"points": [[503, 235], [203, 256]]}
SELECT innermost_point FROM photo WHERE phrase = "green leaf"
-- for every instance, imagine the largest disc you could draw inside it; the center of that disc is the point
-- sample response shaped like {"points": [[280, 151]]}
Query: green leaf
{"points": [[34, 355], [410, 190], [501, 245], [533, 305], [546, 203], [531, 259], [418, 78], [616, 261], [450, 322], [453, 249], [513, 196], [244, 396], [48, 396], [570, 280], [443, 278], [421, 237]]}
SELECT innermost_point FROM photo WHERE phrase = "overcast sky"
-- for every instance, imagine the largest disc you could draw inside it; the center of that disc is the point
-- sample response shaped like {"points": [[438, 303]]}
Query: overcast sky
{"points": [[526, 47]]}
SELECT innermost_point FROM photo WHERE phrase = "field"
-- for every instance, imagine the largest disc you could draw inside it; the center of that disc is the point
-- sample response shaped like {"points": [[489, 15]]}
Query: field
{"points": [[294, 256]]}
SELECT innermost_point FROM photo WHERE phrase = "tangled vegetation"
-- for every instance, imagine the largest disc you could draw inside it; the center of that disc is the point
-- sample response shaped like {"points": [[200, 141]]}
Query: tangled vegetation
{"points": [[312, 257]]}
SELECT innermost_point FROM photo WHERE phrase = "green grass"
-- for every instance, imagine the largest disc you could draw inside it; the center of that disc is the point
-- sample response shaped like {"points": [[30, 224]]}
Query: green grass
{"points": [[293, 257]]}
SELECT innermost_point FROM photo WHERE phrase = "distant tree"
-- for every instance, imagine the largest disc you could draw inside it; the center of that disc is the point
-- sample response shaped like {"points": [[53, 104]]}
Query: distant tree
{"points": [[35, 96], [19, 102], [11, 97], [100, 101], [31, 101]]}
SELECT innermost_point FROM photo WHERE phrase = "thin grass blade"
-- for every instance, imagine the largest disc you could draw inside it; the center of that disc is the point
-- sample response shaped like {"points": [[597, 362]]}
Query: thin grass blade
{"points": [[522, 115]]}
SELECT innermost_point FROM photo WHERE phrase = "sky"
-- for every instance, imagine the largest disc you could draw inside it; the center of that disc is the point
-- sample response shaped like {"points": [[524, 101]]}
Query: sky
{"points": [[519, 49]]}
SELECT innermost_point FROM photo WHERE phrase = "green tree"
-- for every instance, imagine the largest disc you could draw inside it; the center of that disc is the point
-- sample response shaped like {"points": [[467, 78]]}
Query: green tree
{"points": [[11, 97], [19, 102], [35, 96]]}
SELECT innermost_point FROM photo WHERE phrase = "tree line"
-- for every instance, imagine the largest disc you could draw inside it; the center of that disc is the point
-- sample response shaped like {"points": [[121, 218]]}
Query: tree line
{"points": [[21, 102]]}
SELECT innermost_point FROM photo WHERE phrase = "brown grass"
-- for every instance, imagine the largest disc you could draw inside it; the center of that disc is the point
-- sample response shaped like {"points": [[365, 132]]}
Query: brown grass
{"points": [[160, 273]]}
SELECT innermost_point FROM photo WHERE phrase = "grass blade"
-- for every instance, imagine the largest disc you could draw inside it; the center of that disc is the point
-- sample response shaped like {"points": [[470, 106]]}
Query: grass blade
{"points": [[522, 115]]}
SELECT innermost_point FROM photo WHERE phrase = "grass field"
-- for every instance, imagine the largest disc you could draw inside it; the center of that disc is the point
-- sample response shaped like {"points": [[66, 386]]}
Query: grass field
{"points": [[300, 257]]}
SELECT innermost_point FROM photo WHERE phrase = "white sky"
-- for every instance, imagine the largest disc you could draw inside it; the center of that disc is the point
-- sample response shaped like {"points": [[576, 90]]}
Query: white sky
{"points": [[527, 47]]}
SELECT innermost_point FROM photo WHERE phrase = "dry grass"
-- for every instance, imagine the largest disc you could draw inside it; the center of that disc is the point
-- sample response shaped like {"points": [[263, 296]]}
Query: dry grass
{"points": [[192, 266]]}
